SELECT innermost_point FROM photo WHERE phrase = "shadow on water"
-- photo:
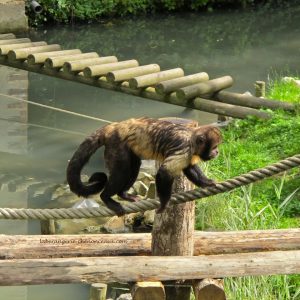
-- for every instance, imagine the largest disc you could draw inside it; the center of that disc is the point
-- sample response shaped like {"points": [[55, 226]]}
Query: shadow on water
{"points": [[246, 45]]}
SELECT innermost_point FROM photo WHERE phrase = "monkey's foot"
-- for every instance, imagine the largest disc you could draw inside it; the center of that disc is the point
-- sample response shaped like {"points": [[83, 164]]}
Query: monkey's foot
{"points": [[129, 197], [116, 207]]}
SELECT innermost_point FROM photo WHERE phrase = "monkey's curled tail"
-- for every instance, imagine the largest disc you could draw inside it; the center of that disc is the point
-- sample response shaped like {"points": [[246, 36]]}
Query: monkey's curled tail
{"points": [[81, 156]]}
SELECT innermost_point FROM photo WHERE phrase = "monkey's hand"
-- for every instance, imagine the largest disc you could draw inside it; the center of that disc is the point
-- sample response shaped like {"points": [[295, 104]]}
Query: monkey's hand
{"points": [[207, 183]]}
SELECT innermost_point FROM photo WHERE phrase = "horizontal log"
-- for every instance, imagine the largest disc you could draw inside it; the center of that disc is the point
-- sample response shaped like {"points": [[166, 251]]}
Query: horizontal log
{"points": [[169, 86], [14, 41], [154, 78], [100, 70], [225, 242], [57, 62], [21, 54], [204, 88], [4, 49], [146, 268], [79, 65], [40, 58], [6, 36], [251, 101], [121, 75], [225, 109]]}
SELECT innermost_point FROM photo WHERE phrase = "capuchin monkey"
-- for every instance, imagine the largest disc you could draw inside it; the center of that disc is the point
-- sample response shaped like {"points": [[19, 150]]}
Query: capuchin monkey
{"points": [[178, 148]]}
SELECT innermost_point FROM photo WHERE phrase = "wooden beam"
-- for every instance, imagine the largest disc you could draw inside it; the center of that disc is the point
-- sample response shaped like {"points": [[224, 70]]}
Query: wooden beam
{"points": [[47, 246], [145, 268], [251, 101]]}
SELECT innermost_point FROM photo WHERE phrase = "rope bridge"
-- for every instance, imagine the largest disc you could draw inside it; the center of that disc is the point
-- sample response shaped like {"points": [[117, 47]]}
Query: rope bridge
{"points": [[149, 204]]}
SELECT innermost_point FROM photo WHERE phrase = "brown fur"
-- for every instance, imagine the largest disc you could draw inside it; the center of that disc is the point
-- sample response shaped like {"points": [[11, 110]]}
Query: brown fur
{"points": [[176, 147]]}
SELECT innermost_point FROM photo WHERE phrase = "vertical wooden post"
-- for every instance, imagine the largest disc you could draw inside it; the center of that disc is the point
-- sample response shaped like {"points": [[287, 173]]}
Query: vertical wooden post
{"points": [[260, 89], [98, 291], [173, 230], [48, 226], [148, 291], [209, 289]]}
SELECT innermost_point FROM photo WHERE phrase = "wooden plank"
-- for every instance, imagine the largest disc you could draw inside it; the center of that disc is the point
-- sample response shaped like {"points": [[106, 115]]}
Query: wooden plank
{"points": [[41, 246], [169, 86], [4, 49], [14, 41], [204, 88], [79, 65], [100, 70], [58, 61], [154, 78], [225, 109], [251, 101], [40, 58], [121, 75], [21, 54], [145, 268]]}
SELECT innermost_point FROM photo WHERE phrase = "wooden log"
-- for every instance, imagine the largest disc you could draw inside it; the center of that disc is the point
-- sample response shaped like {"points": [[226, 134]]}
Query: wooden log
{"points": [[21, 54], [40, 58], [225, 242], [251, 101], [148, 290], [7, 36], [260, 88], [100, 70], [209, 289], [169, 86], [204, 88], [57, 62], [171, 237], [227, 109], [152, 79], [14, 41], [79, 65], [98, 291], [6, 48], [145, 268], [121, 75]]}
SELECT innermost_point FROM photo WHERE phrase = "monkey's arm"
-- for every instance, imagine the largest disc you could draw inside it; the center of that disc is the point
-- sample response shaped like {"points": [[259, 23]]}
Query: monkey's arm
{"points": [[196, 176]]}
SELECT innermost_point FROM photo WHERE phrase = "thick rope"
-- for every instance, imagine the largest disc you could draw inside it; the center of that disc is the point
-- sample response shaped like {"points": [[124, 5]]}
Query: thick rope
{"points": [[148, 204]]}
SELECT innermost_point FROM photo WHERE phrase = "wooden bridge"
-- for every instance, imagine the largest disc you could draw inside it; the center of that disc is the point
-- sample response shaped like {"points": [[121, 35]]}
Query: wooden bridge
{"points": [[195, 91]]}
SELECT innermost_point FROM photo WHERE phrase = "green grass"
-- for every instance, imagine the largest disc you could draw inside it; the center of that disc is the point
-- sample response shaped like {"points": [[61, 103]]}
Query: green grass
{"points": [[269, 204]]}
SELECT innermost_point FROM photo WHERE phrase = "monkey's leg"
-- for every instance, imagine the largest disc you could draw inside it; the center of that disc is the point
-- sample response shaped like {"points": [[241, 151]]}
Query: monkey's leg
{"points": [[132, 171], [164, 181], [196, 176], [123, 166], [111, 189]]}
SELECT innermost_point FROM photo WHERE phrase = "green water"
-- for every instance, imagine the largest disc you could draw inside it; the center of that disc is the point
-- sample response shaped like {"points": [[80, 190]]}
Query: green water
{"points": [[248, 46]]}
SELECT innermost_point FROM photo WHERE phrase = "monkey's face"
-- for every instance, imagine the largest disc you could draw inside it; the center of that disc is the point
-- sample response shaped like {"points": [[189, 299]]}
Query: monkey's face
{"points": [[208, 140]]}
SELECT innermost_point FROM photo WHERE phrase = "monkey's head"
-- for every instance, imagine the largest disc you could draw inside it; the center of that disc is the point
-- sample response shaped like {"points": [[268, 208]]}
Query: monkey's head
{"points": [[206, 140]]}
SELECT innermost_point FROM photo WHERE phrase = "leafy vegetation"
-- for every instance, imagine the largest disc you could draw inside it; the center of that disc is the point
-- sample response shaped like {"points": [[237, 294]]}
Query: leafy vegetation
{"points": [[69, 10], [272, 203]]}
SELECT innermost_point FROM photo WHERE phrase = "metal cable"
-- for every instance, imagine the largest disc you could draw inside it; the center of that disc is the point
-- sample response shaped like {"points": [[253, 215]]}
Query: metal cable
{"points": [[148, 204]]}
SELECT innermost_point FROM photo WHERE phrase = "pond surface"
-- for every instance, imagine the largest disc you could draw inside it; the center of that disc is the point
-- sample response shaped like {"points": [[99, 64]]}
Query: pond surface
{"points": [[249, 46]]}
